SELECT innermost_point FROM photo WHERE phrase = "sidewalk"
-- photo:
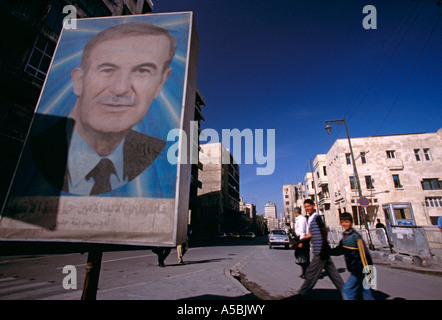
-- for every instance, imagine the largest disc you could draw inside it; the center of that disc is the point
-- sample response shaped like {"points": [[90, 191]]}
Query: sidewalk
{"points": [[395, 259]]}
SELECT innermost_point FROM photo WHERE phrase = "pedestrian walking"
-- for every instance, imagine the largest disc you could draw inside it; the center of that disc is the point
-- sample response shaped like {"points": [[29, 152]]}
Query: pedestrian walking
{"points": [[162, 253], [357, 259], [317, 233], [183, 247], [380, 225], [302, 249]]}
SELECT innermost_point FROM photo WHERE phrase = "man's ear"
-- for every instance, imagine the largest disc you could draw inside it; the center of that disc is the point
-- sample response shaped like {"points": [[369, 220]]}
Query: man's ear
{"points": [[77, 80], [166, 75]]}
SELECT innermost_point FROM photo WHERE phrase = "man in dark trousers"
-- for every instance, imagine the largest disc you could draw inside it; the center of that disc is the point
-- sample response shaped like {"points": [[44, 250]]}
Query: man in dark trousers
{"points": [[317, 233]]}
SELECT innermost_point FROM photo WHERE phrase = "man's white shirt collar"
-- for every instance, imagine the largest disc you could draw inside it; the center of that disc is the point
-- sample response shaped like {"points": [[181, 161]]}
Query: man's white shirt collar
{"points": [[82, 159]]}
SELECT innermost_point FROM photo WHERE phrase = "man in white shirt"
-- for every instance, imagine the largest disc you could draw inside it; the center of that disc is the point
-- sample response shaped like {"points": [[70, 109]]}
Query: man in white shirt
{"points": [[317, 233], [302, 250]]}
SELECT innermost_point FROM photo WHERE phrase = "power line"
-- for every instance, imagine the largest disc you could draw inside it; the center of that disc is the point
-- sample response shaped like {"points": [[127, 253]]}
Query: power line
{"points": [[409, 76], [386, 54], [381, 62]]}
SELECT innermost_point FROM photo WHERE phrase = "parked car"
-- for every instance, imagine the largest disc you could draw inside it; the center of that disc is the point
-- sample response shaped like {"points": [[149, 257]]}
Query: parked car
{"points": [[278, 237], [249, 236], [222, 235]]}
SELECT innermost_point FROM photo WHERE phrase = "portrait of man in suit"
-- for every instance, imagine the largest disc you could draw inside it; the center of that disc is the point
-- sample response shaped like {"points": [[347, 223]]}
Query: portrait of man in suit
{"points": [[94, 166], [123, 69]]}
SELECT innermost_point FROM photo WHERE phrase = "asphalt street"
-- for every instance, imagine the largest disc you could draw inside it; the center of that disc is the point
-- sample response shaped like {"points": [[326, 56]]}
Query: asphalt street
{"points": [[234, 270]]}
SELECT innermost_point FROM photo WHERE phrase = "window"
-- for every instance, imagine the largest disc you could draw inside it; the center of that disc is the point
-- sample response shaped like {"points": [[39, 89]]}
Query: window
{"points": [[402, 214], [431, 184], [54, 18], [356, 220], [427, 154], [369, 182], [417, 154], [397, 181], [434, 202], [352, 183], [324, 170], [40, 58], [348, 158], [363, 158], [391, 154]]}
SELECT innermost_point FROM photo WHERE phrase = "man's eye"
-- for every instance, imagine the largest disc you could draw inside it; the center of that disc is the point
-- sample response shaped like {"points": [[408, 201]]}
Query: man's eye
{"points": [[107, 70], [144, 71]]}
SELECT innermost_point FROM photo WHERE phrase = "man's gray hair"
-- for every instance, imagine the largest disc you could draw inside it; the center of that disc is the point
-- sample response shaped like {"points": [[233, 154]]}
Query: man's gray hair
{"points": [[125, 30]]}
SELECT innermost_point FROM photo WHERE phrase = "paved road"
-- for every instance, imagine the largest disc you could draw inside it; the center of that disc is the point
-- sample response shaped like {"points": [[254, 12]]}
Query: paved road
{"points": [[280, 280], [132, 275]]}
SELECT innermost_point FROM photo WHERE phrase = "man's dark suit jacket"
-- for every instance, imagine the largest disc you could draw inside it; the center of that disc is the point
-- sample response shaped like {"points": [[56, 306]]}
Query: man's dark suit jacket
{"points": [[50, 152]]}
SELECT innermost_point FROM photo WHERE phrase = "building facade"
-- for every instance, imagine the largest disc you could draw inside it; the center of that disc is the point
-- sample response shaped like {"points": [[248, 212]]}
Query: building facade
{"points": [[400, 176], [293, 196], [248, 216], [271, 215], [218, 198]]}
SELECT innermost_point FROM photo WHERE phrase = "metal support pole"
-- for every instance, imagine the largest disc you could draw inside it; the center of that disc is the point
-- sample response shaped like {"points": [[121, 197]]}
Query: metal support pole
{"points": [[93, 267], [355, 172]]}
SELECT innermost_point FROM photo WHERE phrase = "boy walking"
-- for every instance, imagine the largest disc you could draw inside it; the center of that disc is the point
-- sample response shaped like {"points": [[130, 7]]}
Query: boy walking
{"points": [[317, 233], [357, 259]]}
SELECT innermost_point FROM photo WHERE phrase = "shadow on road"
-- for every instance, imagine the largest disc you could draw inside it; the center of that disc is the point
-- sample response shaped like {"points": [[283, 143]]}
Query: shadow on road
{"points": [[214, 297], [215, 242], [197, 262], [333, 294]]}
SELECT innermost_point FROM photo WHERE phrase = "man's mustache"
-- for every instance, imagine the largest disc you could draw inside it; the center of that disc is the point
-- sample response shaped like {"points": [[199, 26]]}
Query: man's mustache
{"points": [[117, 100]]}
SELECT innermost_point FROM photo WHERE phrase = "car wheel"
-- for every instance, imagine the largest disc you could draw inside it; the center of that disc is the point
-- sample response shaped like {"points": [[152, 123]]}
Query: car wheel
{"points": [[270, 246]]}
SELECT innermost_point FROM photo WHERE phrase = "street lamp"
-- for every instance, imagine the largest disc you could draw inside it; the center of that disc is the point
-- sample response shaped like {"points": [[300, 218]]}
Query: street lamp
{"points": [[355, 170]]}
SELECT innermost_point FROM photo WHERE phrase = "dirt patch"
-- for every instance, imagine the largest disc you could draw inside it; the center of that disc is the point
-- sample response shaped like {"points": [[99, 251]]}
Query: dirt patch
{"points": [[255, 288]]}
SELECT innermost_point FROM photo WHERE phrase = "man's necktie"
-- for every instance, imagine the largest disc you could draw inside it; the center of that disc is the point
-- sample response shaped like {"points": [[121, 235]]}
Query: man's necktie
{"points": [[101, 174]]}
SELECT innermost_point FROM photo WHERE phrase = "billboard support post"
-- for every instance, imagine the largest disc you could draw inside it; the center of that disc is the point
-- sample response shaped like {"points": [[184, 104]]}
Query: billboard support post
{"points": [[93, 267]]}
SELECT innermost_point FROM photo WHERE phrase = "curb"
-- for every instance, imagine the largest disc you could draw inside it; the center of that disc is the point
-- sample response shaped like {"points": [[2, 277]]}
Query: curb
{"points": [[235, 278], [412, 263]]}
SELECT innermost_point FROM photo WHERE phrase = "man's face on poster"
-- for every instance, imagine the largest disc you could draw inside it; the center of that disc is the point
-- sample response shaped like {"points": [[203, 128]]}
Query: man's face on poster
{"points": [[119, 82]]}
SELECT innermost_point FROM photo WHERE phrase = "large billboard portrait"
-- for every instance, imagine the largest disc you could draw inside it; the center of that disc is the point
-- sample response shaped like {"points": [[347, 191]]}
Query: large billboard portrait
{"points": [[94, 167]]}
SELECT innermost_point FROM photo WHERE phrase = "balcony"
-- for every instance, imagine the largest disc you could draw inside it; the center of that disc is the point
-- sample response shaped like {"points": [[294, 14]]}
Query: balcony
{"points": [[395, 164]]}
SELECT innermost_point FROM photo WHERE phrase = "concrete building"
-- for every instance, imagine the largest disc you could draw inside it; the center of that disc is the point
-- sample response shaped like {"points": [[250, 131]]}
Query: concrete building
{"points": [[293, 196], [248, 209], [271, 215], [248, 217], [310, 191], [400, 175], [195, 183], [218, 198], [31, 31]]}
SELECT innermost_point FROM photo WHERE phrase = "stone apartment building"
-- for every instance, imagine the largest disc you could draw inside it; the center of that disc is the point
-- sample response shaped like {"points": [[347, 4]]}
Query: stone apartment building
{"points": [[400, 175], [293, 196], [271, 215], [218, 197]]}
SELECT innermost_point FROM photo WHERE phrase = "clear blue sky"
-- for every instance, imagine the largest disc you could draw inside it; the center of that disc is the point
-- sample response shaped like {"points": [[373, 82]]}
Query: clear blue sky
{"points": [[290, 65]]}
